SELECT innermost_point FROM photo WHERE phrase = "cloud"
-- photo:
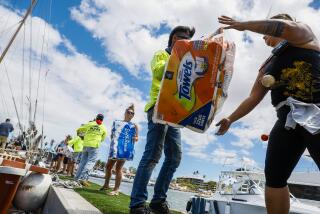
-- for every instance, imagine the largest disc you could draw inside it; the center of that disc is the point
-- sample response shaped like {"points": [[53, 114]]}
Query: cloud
{"points": [[125, 30], [248, 162], [195, 144], [76, 88], [226, 157], [250, 131], [126, 27]]}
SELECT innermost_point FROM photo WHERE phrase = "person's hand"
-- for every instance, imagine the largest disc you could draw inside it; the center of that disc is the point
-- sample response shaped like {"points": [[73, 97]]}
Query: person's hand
{"points": [[135, 139], [231, 23], [224, 126]]}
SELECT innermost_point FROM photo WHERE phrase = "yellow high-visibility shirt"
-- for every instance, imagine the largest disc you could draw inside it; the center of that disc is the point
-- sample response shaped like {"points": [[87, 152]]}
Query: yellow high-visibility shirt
{"points": [[158, 64]]}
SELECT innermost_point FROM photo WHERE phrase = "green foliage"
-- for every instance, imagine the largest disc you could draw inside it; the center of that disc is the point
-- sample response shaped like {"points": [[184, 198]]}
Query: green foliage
{"points": [[189, 185], [212, 185], [194, 187]]}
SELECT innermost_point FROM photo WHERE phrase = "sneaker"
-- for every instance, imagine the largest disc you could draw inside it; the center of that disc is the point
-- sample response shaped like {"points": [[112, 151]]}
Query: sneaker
{"points": [[160, 207], [140, 210]]}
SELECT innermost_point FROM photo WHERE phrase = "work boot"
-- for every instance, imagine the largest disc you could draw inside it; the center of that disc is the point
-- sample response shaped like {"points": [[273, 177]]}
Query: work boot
{"points": [[161, 207], [140, 210]]}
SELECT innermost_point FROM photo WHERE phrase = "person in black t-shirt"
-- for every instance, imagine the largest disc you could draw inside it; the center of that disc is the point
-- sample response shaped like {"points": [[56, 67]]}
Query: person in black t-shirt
{"points": [[294, 72], [5, 129]]}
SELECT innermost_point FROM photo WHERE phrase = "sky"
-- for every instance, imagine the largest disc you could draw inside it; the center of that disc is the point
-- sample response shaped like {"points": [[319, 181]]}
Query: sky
{"points": [[83, 57]]}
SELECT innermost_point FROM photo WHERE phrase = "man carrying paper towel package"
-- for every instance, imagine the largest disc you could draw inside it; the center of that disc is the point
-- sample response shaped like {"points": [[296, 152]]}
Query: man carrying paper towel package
{"points": [[159, 137]]}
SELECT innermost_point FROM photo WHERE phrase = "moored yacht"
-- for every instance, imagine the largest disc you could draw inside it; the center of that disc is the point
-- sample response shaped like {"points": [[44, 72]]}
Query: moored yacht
{"points": [[305, 185], [242, 192]]}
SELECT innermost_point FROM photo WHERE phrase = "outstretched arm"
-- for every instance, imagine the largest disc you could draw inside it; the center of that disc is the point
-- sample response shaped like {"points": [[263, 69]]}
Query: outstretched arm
{"points": [[257, 93], [294, 32]]}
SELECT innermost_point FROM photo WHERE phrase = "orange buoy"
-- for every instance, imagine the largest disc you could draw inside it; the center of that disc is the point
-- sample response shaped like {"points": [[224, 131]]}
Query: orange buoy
{"points": [[264, 137]]}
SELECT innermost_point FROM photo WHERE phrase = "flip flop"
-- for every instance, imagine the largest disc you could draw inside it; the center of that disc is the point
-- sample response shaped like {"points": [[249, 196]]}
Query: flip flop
{"points": [[113, 193]]}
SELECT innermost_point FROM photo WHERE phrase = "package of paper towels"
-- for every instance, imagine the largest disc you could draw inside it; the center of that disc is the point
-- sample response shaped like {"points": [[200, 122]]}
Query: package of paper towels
{"points": [[195, 83]]}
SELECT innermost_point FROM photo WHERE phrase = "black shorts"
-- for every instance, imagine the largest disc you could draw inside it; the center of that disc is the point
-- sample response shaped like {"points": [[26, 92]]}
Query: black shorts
{"points": [[65, 160], [285, 147]]}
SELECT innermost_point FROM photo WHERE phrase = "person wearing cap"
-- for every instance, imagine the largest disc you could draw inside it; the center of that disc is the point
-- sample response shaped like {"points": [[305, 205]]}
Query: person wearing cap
{"points": [[94, 133], [77, 144], [159, 137], [5, 128]]}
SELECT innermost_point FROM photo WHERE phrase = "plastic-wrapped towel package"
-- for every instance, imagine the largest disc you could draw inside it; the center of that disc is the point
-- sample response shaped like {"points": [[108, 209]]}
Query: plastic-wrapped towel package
{"points": [[122, 142], [195, 83]]}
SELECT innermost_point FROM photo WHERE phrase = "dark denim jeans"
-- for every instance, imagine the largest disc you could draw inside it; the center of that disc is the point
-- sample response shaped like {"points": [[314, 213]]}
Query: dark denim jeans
{"points": [[159, 137]]}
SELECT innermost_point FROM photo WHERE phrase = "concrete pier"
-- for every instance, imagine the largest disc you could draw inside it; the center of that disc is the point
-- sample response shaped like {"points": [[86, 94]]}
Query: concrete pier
{"points": [[67, 201]]}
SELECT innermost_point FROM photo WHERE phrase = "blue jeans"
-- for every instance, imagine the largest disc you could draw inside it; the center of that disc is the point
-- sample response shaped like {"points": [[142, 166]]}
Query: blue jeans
{"points": [[159, 137], [88, 160]]}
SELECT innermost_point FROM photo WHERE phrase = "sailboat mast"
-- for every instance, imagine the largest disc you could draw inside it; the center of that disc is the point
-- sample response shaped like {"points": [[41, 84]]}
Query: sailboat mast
{"points": [[33, 3]]}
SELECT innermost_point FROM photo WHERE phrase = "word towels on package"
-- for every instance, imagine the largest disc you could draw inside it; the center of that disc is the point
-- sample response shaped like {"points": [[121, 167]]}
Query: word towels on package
{"points": [[122, 140], [195, 83]]}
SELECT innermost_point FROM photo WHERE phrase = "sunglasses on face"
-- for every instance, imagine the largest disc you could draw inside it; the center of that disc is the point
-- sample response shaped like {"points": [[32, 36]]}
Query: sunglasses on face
{"points": [[130, 112]]}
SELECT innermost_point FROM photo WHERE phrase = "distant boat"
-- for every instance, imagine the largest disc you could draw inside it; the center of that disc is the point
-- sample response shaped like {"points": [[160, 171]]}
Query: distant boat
{"points": [[242, 192], [128, 180], [98, 174], [101, 174], [305, 185]]}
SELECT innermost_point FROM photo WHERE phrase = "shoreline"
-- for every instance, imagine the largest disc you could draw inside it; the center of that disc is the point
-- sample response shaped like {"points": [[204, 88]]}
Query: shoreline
{"points": [[173, 189]]}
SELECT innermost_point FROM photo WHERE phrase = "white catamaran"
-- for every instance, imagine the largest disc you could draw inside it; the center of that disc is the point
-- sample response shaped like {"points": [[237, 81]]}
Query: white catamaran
{"points": [[242, 192]]}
